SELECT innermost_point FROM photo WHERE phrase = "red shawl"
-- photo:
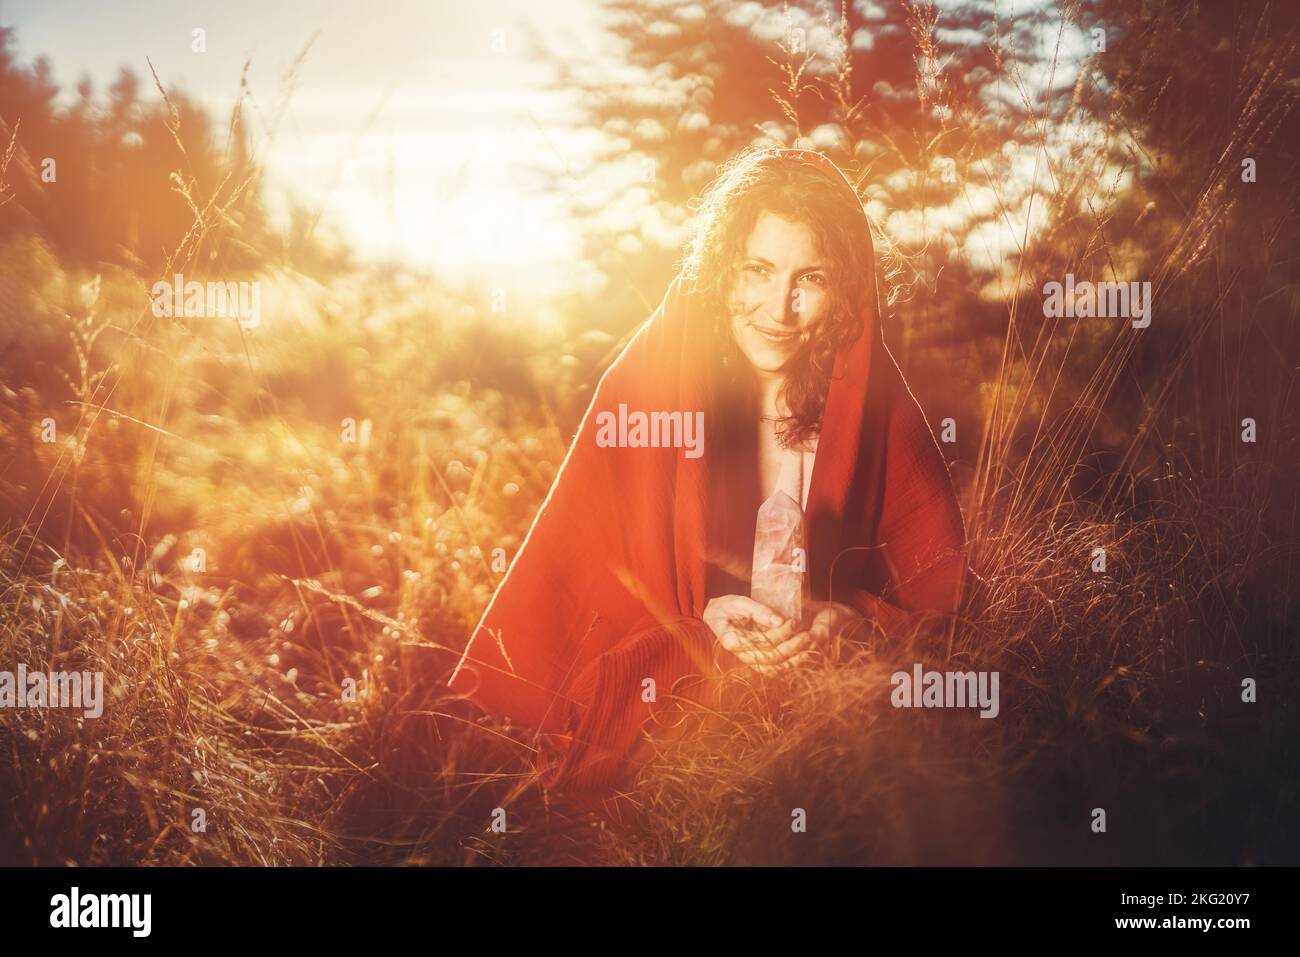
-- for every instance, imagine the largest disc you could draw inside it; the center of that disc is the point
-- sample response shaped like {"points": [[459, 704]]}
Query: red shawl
{"points": [[609, 585]]}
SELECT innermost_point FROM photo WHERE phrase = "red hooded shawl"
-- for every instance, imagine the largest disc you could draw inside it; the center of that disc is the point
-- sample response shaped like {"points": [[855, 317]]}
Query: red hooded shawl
{"points": [[608, 587]]}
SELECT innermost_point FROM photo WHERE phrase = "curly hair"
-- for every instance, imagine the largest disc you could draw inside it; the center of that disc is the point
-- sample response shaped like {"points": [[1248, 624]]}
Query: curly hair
{"points": [[761, 180]]}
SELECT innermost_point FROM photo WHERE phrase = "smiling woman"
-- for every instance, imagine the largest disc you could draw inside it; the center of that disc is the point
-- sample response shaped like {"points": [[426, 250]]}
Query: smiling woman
{"points": [[645, 568], [778, 303]]}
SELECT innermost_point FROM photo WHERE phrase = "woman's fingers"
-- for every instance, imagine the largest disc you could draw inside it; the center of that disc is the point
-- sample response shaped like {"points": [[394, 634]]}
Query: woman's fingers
{"points": [[755, 611], [770, 637], [776, 653], [738, 635], [740, 627], [732, 640], [794, 661], [737, 639], [836, 621], [715, 616], [754, 634], [738, 613]]}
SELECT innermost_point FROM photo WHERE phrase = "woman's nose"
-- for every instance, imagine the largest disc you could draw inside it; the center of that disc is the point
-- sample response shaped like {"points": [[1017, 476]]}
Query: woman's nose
{"points": [[784, 305]]}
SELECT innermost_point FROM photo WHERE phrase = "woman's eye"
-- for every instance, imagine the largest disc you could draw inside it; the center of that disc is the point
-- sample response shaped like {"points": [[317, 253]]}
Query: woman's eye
{"points": [[755, 269]]}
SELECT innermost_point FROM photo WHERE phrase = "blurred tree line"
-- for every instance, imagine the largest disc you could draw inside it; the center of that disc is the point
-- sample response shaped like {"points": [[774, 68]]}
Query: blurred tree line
{"points": [[112, 199], [1119, 139], [135, 173], [1115, 128]]}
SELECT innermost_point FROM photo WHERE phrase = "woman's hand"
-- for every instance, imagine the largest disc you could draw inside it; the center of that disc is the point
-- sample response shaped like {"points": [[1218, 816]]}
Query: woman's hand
{"points": [[831, 620], [828, 623], [759, 638]]}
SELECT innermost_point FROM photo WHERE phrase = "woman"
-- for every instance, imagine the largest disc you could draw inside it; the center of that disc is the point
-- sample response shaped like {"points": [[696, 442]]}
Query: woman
{"points": [[816, 501]]}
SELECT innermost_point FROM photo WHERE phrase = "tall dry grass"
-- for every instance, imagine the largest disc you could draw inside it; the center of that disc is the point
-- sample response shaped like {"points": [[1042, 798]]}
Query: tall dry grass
{"points": [[329, 561]]}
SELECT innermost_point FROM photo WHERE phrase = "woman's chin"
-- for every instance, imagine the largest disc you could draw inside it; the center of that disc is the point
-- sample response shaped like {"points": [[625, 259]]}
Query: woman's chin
{"points": [[769, 362], [766, 359]]}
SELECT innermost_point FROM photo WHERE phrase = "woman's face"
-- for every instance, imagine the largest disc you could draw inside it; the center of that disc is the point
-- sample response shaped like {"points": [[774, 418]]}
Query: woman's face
{"points": [[780, 293]]}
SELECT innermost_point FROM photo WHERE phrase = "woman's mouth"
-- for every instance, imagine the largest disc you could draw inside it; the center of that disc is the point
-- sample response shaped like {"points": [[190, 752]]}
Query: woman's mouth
{"points": [[775, 336]]}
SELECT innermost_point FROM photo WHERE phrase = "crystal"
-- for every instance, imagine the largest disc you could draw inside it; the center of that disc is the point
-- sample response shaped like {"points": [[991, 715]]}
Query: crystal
{"points": [[777, 576]]}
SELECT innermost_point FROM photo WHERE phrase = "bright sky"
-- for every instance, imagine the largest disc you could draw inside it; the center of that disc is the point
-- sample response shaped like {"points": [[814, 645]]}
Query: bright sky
{"points": [[417, 125], [420, 126]]}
